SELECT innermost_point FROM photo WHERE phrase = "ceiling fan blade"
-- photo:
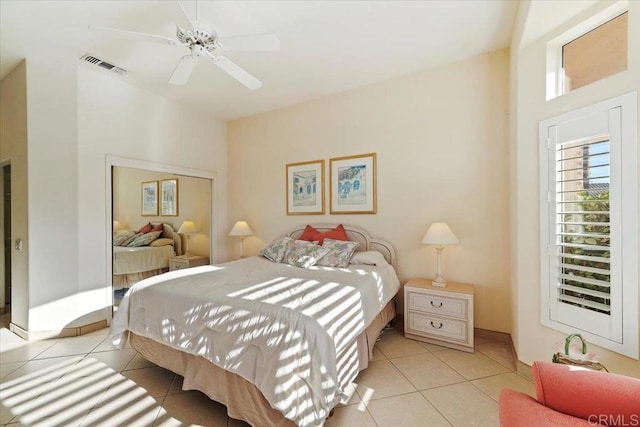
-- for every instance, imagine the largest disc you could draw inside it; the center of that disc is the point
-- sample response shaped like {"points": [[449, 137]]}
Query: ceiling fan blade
{"points": [[176, 12], [183, 70], [236, 72], [133, 35], [250, 42]]}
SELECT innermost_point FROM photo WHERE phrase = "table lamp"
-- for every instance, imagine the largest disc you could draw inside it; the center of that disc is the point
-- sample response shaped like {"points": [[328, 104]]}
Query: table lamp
{"points": [[187, 228], [241, 228], [439, 235]]}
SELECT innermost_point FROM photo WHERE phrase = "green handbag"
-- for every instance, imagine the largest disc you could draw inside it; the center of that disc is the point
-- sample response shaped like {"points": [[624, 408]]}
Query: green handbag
{"points": [[566, 359]]}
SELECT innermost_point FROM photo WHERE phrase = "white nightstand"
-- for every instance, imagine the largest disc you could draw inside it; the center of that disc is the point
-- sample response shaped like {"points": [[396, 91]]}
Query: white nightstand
{"points": [[442, 316], [183, 261]]}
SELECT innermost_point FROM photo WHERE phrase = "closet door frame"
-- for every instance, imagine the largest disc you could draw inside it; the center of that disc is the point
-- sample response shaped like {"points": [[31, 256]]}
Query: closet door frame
{"points": [[115, 161]]}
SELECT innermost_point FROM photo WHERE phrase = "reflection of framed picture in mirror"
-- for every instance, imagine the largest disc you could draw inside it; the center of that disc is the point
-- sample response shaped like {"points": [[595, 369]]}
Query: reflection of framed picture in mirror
{"points": [[150, 198], [353, 184], [169, 197], [305, 188]]}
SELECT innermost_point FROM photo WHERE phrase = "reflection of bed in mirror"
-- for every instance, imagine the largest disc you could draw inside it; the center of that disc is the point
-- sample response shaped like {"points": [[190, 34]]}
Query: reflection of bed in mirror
{"points": [[132, 264]]}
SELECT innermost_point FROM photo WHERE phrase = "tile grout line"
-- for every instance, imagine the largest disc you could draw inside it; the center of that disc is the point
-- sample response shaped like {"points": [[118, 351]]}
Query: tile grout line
{"points": [[411, 392], [436, 408]]}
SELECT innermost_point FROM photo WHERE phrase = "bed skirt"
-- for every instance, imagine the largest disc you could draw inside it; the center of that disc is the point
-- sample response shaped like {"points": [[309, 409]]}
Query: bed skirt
{"points": [[243, 399], [121, 281]]}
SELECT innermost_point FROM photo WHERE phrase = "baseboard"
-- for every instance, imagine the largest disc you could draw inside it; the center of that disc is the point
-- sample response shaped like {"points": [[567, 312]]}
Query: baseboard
{"points": [[58, 333], [492, 335], [524, 370]]}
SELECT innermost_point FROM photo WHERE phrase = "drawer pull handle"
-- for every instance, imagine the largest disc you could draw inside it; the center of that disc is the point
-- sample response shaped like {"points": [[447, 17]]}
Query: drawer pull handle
{"points": [[436, 306], [434, 326]]}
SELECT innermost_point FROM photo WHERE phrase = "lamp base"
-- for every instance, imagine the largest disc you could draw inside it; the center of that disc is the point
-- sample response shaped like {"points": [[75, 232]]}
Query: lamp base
{"points": [[439, 282]]}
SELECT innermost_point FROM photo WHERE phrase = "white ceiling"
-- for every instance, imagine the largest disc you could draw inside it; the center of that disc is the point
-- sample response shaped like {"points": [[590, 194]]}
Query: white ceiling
{"points": [[543, 16], [326, 46]]}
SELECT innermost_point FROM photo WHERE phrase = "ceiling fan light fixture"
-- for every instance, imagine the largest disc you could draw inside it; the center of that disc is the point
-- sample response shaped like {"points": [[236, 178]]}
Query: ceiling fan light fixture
{"points": [[197, 51]]}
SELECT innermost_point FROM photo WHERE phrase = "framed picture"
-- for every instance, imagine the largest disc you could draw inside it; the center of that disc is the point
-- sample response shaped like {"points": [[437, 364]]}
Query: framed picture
{"points": [[169, 197], [150, 198], [353, 184], [305, 188]]}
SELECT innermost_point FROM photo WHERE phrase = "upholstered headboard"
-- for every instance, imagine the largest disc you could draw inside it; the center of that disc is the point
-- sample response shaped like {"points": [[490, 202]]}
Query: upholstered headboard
{"points": [[355, 234]]}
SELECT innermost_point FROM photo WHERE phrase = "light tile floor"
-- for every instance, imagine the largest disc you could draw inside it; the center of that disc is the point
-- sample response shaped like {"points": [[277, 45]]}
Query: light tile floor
{"points": [[84, 381]]}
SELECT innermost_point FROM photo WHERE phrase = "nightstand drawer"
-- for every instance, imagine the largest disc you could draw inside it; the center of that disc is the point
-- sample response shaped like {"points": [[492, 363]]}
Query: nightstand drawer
{"points": [[435, 304], [435, 326], [178, 264], [182, 262]]}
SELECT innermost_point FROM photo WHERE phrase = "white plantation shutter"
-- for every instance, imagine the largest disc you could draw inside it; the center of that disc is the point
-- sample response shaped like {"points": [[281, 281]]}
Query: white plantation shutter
{"points": [[583, 223], [589, 231]]}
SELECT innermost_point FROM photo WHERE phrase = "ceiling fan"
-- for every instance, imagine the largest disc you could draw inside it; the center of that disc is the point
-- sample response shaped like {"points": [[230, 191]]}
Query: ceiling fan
{"points": [[202, 42]]}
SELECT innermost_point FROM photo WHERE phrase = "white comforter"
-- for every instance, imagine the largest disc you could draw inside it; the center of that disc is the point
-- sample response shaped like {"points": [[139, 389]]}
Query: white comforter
{"points": [[143, 258], [288, 330]]}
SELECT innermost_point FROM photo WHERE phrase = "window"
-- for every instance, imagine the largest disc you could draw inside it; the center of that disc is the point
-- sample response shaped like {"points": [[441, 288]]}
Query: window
{"points": [[589, 223], [591, 51], [595, 55]]}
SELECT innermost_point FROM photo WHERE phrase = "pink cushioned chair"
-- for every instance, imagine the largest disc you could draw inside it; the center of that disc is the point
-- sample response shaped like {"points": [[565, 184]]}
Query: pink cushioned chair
{"points": [[572, 396]]}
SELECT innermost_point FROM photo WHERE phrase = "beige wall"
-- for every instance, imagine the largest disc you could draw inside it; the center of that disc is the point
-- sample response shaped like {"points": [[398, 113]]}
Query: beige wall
{"points": [[194, 198], [52, 156], [532, 340], [13, 148], [441, 143]]}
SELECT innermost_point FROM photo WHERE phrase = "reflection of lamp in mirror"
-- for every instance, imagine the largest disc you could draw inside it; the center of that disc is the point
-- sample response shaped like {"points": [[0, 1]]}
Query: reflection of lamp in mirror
{"points": [[187, 228], [116, 226], [439, 234], [241, 228]]}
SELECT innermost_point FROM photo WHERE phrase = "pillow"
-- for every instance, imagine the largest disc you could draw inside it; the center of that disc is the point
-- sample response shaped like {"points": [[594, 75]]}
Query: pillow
{"points": [[158, 227], [339, 253], [144, 239], [312, 235], [303, 254], [276, 250], [368, 258], [162, 241], [308, 233], [123, 238], [146, 228]]}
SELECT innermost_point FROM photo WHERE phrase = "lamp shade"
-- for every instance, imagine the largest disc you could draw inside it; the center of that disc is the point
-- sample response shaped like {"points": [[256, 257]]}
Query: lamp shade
{"points": [[116, 225], [439, 234], [241, 228], [187, 227]]}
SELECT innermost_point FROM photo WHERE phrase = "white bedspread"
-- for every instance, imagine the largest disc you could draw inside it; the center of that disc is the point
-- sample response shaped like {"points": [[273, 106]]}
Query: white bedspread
{"points": [[288, 330], [143, 258]]}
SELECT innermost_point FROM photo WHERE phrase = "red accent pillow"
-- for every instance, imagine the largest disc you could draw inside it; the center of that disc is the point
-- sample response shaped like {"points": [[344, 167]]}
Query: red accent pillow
{"points": [[146, 228], [158, 227], [337, 233], [312, 235], [308, 234]]}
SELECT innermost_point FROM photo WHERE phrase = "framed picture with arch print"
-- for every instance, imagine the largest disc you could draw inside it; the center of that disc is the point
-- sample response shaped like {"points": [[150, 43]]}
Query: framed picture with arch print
{"points": [[353, 184]]}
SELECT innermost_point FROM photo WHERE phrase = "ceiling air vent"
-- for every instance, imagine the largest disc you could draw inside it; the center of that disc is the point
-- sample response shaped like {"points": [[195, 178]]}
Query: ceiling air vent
{"points": [[103, 64]]}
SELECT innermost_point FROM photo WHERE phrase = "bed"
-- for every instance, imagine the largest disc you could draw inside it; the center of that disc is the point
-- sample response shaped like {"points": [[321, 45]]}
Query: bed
{"points": [[277, 344], [131, 265]]}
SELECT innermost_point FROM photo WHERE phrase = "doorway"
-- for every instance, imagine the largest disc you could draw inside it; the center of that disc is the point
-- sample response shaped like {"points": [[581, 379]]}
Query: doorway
{"points": [[6, 200]]}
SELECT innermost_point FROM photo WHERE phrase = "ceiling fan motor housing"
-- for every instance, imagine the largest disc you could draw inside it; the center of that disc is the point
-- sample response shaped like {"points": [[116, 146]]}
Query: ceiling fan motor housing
{"points": [[199, 37]]}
